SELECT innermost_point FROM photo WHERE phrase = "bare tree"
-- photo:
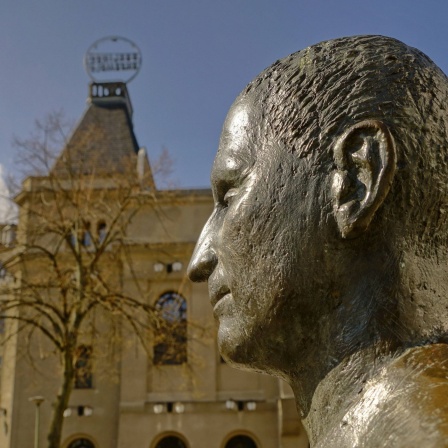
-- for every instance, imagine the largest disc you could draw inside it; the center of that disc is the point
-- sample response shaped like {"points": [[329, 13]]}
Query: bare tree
{"points": [[72, 246]]}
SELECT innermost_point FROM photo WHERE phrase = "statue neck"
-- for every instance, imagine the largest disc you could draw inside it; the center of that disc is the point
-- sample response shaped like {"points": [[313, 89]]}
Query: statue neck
{"points": [[341, 338]]}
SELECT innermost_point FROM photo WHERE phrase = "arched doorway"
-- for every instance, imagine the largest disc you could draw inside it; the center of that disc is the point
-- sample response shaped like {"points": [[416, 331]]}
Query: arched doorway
{"points": [[170, 442], [241, 441], [82, 442]]}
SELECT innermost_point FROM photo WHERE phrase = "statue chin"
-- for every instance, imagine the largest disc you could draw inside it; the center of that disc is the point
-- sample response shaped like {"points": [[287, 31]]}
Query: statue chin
{"points": [[235, 351]]}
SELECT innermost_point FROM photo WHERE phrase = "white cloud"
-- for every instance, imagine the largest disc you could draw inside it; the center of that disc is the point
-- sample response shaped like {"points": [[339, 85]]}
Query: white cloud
{"points": [[8, 210]]}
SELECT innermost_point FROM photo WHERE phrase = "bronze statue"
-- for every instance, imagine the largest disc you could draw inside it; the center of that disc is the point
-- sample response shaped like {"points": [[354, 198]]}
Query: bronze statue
{"points": [[326, 254]]}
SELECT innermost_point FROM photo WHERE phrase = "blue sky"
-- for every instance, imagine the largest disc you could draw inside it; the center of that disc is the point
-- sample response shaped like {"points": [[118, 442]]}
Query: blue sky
{"points": [[197, 56]]}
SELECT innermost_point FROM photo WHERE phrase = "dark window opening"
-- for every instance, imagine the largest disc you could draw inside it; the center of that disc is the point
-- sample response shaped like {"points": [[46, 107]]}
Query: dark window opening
{"points": [[170, 344], [171, 442], [101, 231], [241, 442], [72, 238], [81, 443]]}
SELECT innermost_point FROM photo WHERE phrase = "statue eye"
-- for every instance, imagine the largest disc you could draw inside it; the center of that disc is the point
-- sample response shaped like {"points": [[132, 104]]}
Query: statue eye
{"points": [[229, 195]]}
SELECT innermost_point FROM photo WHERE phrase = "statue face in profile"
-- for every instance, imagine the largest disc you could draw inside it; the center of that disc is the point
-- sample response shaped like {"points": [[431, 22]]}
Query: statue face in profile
{"points": [[261, 241], [326, 254]]}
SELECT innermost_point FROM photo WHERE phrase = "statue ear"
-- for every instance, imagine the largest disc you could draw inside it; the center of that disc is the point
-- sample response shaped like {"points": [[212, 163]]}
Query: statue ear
{"points": [[366, 161]]}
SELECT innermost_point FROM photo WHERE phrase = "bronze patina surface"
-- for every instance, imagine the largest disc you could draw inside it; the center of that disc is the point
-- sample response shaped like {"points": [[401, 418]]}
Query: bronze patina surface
{"points": [[326, 254]]}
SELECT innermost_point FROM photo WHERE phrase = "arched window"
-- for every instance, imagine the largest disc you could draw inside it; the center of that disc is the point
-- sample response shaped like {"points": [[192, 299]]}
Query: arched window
{"points": [[83, 367], [81, 443], [171, 442], [241, 442], [170, 341]]}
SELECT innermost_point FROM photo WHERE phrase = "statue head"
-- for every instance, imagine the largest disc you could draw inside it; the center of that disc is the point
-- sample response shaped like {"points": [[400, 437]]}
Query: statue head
{"points": [[329, 232]]}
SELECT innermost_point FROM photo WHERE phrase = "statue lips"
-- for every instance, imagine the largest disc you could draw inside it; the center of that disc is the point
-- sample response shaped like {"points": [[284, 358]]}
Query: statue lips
{"points": [[217, 293]]}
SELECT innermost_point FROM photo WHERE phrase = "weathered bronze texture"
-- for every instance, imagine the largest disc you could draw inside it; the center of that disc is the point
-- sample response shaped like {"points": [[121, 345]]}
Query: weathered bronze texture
{"points": [[326, 254]]}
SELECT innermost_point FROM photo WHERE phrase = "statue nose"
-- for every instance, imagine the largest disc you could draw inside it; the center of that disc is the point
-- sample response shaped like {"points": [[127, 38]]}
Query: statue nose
{"points": [[203, 261]]}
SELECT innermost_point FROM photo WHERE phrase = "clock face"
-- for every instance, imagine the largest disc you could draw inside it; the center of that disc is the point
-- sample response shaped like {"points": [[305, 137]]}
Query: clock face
{"points": [[113, 59], [81, 443]]}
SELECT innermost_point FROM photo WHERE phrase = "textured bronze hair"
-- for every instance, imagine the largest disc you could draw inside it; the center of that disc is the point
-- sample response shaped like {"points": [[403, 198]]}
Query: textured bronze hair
{"points": [[311, 96]]}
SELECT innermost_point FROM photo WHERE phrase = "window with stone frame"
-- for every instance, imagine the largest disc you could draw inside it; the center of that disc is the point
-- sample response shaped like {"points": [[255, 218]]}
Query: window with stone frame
{"points": [[170, 340], [83, 367]]}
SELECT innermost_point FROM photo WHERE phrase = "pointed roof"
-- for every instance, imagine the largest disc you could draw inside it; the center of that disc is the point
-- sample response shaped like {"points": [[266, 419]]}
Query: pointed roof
{"points": [[103, 142]]}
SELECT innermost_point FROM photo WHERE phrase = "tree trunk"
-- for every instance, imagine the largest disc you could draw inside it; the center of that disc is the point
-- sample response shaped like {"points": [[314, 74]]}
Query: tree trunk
{"points": [[62, 400]]}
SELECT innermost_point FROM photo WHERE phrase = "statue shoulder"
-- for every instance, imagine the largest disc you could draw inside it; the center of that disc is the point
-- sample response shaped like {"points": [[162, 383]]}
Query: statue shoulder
{"points": [[420, 376], [405, 405]]}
